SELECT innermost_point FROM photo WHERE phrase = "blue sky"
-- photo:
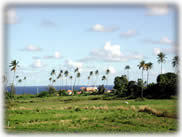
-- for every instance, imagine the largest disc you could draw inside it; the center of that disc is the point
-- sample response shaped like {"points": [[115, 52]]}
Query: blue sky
{"points": [[89, 38]]}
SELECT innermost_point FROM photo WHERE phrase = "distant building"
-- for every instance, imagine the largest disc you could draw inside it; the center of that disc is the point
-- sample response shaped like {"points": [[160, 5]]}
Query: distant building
{"points": [[69, 92], [89, 89]]}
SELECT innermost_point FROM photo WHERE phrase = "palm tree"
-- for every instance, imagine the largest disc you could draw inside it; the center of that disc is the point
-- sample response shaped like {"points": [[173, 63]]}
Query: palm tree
{"points": [[76, 70], [175, 62], [148, 67], [53, 72], [142, 66], [78, 76], [50, 79], [24, 78], [96, 74], [53, 81], [71, 78], [88, 80], [161, 59], [91, 74], [103, 79], [59, 77], [107, 73], [66, 73], [13, 65], [127, 67]]}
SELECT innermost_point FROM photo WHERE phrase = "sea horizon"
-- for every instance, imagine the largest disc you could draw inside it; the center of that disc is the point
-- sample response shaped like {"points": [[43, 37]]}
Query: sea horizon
{"points": [[37, 89]]}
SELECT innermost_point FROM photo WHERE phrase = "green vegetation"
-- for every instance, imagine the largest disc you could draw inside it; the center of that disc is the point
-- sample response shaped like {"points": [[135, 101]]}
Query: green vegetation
{"points": [[95, 114]]}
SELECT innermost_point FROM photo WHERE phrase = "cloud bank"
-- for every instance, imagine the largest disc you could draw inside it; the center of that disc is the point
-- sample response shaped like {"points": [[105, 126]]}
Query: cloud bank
{"points": [[110, 53]]}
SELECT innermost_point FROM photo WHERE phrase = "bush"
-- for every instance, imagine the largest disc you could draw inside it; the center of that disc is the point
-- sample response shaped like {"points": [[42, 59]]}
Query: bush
{"points": [[51, 90], [101, 89], [62, 93], [120, 85], [43, 94], [165, 87]]}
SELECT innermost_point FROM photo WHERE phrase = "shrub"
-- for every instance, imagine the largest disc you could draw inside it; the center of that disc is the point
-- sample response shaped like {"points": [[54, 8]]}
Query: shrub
{"points": [[51, 90], [121, 84], [62, 93], [43, 94], [101, 89]]}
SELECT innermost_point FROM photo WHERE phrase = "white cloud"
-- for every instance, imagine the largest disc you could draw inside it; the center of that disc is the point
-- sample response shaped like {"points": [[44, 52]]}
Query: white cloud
{"points": [[37, 64], [129, 33], [73, 64], [31, 48], [101, 28], [110, 53], [170, 50], [11, 17], [56, 55], [163, 40], [157, 10]]}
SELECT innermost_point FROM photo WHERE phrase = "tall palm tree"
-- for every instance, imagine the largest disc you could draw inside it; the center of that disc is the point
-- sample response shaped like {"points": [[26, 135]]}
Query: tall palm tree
{"points": [[127, 67], [88, 80], [103, 79], [53, 72], [59, 77], [78, 76], [107, 73], [50, 79], [66, 73], [148, 67], [53, 81], [142, 66], [13, 65], [75, 71], [96, 75], [91, 74], [71, 78], [161, 58], [175, 62], [24, 78], [19, 81]]}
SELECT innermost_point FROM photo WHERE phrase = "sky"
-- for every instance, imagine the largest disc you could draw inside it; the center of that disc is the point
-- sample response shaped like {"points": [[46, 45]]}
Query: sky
{"points": [[89, 37]]}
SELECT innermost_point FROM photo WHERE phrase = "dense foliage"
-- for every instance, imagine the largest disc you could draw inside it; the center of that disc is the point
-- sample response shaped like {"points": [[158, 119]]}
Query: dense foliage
{"points": [[165, 87]]}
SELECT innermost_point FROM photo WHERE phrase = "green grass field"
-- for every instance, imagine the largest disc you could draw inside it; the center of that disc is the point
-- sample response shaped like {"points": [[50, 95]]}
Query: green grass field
{"points": [[83, 114]]}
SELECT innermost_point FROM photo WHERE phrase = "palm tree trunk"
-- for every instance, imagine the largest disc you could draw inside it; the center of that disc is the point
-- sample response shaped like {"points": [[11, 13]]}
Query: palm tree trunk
{"points": [[60, 83], [161, 67], [66, 83], [12, 86], [128, 75], [74, 86], [147, 76], [142, 74], [88, 83], [96, 81]]}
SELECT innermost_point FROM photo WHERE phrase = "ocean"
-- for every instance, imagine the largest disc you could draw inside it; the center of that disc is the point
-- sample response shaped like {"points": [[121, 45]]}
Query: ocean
{"points": [[37, 89]]}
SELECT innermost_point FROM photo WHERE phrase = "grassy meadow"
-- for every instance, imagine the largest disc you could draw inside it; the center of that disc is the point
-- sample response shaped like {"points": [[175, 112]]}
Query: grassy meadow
{"points": [[95, 114]]}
